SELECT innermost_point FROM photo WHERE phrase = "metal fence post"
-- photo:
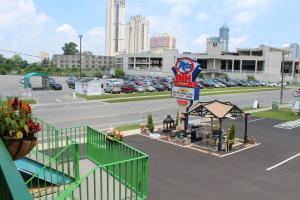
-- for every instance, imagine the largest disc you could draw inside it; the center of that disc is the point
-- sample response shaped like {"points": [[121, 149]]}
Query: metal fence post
{"points": [[76, 161]]}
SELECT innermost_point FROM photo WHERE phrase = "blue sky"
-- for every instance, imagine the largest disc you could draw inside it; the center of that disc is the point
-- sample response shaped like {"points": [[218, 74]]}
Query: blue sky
{"points": [[33, 25]]}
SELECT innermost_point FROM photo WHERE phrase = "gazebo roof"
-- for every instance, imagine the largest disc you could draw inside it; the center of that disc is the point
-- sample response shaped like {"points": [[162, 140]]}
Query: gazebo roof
{"points": [[216, 108]]}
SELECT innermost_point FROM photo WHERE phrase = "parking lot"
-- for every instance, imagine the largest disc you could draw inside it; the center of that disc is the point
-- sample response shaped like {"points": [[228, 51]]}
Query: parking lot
{"points": [[267, 171]]}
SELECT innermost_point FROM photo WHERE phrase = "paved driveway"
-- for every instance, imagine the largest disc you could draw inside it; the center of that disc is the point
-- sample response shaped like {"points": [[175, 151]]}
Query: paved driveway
{"points": [[177, 173]]}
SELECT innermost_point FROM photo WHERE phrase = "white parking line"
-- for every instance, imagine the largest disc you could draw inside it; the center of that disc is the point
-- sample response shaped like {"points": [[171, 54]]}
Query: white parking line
{"points": [[254, 120], [281, 163], [228, 154]]}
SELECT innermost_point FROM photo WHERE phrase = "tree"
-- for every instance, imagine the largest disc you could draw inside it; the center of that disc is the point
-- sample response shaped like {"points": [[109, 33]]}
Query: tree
{"points": [[17, 59], [119, 73], [150, 124], [3, 71], [2, 59], [70, 48], [201, 75], [226, 77]]}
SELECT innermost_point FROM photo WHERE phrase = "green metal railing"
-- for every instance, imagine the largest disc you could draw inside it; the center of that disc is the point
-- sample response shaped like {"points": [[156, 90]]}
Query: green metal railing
{"points": [[119, 171], [12, 185]]}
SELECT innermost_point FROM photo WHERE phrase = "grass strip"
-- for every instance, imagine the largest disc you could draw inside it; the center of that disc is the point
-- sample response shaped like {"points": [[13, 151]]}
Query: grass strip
{"points": [[284, 114]]}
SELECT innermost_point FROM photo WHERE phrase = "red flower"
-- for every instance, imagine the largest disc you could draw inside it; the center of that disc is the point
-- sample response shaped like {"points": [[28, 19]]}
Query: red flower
{"points": [[31, 125], [38, 127], [15, 103]]}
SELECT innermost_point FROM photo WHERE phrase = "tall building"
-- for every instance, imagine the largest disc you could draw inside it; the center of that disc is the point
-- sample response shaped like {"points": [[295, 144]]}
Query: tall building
{"points": [[43, 56], [294, 48], [162, 41], [137, 32], [220, 43], [115, 27], [224, 36]]}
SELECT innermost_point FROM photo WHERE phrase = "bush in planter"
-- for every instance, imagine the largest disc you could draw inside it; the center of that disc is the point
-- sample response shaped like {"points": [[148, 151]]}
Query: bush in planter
{"points": [[231, 136], [17, 127], [150, 124]]}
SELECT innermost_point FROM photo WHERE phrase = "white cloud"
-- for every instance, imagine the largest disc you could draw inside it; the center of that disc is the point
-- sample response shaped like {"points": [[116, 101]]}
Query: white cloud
{"points": [[180, 10], [245, 17], [202, 16], [95, 40], [186, 2], [18, 14], [201, 41], [238, 42], [66, 29]]}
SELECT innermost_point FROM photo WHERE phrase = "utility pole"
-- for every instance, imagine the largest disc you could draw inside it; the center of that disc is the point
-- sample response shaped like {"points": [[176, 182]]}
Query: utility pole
{"points": [[282, 71], [80, 38]]}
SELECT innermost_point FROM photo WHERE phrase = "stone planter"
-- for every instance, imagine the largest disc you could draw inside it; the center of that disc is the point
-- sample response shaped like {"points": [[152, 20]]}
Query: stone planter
{"points": [[18, 148]]}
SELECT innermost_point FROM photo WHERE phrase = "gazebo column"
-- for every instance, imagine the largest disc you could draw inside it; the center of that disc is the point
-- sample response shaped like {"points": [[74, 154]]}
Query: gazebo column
{"points": [[220, 136], [246, 129]]}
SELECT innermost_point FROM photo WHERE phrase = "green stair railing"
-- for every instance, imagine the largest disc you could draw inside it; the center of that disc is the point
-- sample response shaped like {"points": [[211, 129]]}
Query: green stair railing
{"points": [[119, 172], [12, 186]]}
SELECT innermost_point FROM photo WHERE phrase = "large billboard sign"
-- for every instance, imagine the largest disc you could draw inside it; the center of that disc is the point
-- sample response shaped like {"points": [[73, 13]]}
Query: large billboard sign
{"points": [[186, 71]]}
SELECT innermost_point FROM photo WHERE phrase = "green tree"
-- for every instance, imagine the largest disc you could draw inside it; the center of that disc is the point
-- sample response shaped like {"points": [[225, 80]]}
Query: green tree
{"points": [[17, 59], [70, 48], [119, 73], [201, 75], [150, 124], [3, 71], [2, 59]]}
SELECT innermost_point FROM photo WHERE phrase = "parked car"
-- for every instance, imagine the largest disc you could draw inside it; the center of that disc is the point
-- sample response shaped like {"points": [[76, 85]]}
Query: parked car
{"points": [[272, 84], [140, 88], [113, 86], [159, 87], [56, 86], [21, 81], [149, 88], [127, 88], [71, 82]]}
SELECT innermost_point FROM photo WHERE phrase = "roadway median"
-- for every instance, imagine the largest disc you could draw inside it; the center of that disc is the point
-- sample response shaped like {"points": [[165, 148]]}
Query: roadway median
{"points": [[119, 98]]}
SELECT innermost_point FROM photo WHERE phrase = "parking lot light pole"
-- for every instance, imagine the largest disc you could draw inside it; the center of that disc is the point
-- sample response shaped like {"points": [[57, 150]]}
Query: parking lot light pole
{"points": [[80, 38], [282, 71]]}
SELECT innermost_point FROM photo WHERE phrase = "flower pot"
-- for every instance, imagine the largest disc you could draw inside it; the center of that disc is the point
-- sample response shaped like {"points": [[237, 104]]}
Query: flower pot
{"points": [[18, 148]]}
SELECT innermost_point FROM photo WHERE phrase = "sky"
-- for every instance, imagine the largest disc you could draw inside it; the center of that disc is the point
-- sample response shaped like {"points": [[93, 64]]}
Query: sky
{"points": [[31, 26]]}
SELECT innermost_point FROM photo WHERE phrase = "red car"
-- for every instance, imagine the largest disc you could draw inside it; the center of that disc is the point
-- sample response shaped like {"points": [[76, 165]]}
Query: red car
{"points": [[139, 83], [127, 89]]}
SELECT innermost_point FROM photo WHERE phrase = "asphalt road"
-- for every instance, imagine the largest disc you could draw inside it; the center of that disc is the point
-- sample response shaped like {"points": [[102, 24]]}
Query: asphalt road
{"points": [[177, 173], [103, 115]]}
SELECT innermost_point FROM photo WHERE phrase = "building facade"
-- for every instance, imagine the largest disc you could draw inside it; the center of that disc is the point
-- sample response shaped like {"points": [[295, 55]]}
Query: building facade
{"points": [[89, 62], [263, 62], [159, 43], [115, 27], [137, 35]]}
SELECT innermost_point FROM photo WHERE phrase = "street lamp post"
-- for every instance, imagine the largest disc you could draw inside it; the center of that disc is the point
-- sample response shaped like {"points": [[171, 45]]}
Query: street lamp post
{"points": [[282, 71], [80, 38]]}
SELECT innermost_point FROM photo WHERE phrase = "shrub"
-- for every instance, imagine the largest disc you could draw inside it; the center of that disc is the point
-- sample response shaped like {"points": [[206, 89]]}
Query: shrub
{"points": [[226, 77], [231, 136], [150, 124], [3, 71], [201, 75], [177, 118], [251, 78]]}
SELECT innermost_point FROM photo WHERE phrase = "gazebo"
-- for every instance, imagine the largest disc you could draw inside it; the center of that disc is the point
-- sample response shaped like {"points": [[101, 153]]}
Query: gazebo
{"points": [[220, 110]]}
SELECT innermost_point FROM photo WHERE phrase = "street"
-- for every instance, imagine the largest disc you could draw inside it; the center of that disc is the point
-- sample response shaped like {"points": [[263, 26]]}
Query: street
{"points": [[101, 115]]}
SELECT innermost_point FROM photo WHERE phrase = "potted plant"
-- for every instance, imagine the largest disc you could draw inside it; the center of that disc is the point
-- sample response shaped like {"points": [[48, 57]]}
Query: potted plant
{"points": [[17, 128], [114, 135]]}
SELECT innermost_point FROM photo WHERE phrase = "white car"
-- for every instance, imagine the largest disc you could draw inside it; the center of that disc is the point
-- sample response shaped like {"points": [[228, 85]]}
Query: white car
{"points": [[272, 84]]}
